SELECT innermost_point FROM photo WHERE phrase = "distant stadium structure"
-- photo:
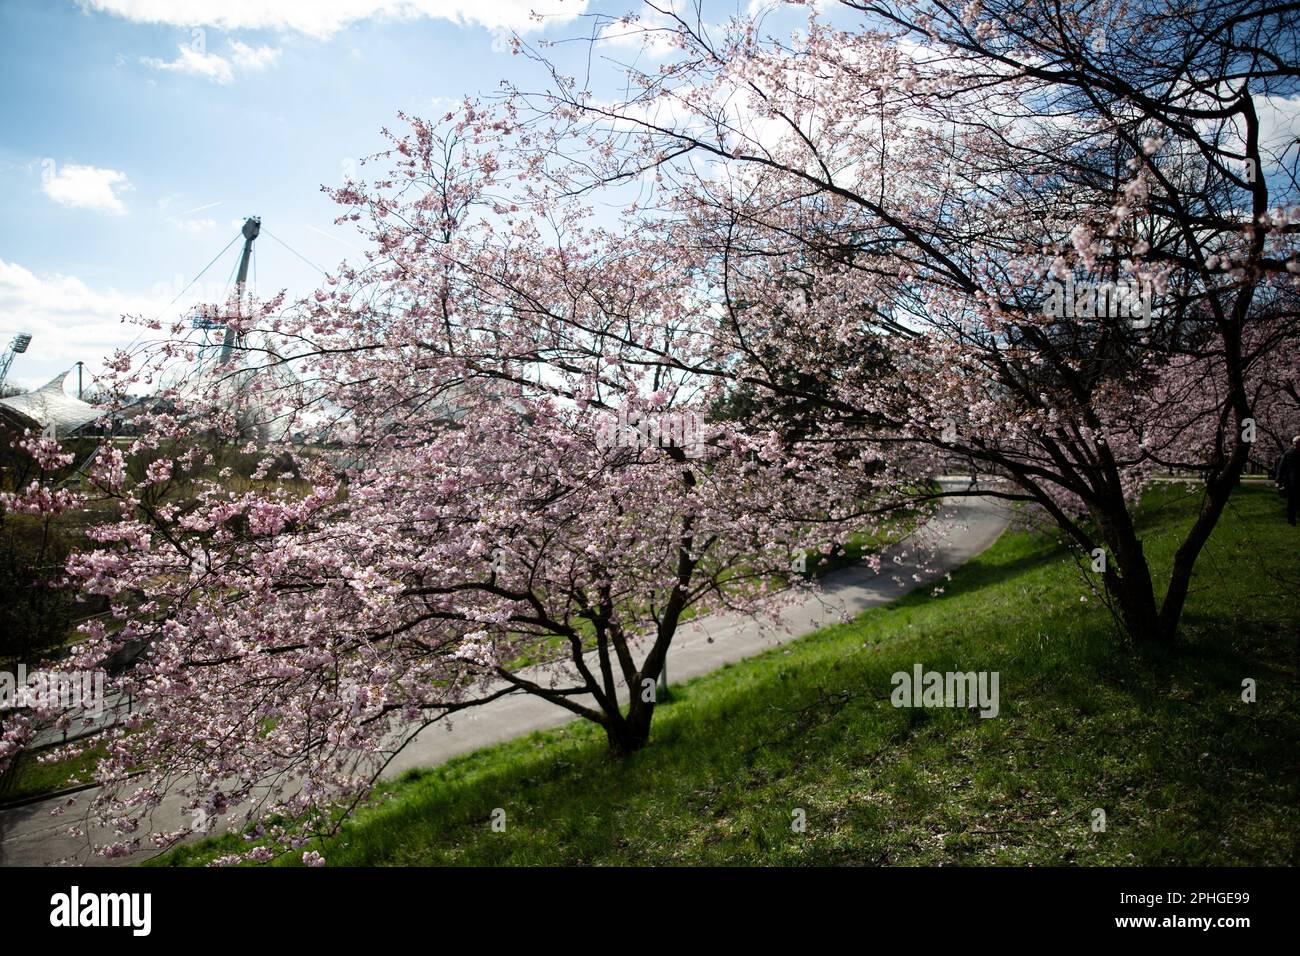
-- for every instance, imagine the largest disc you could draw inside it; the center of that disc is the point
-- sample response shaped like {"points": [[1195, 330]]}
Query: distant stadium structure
{"points": [[49, 409]]}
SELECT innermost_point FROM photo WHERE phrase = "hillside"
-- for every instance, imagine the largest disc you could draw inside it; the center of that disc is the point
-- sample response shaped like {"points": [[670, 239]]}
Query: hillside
{"points": [[1186, 772]]}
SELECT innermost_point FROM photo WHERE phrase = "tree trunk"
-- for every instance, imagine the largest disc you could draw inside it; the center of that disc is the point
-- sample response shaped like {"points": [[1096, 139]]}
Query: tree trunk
{"points": [[1131, 587], [627, 735], [1137, 605], [1216, 497]]}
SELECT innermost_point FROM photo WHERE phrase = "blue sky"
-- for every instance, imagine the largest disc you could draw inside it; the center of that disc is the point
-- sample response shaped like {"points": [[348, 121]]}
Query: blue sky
{"points": [[137, 134]]}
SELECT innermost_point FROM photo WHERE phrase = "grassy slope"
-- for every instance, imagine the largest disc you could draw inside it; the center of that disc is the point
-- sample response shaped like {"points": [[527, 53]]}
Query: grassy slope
{"points": [[1187, 772], [32, 778]]}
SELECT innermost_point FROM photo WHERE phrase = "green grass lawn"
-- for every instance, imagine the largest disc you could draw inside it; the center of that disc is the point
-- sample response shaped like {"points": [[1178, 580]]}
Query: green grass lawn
{"points": [[31, 778], [1186, 772]]}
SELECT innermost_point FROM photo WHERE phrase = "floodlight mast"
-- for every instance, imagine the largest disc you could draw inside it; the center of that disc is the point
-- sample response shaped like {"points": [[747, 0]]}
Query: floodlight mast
{"points": [[19, 344], [252, 228]]}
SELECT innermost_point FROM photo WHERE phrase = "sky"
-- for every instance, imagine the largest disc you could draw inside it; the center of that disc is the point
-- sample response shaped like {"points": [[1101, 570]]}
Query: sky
{"points": [[136, 136]]}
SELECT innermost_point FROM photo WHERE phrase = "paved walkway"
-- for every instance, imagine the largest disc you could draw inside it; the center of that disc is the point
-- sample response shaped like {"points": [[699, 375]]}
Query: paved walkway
{"points": [[31, 836]]}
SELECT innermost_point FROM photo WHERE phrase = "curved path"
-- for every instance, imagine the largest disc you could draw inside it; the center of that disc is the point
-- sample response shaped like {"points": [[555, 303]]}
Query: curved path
{"points": [[32, 835]]}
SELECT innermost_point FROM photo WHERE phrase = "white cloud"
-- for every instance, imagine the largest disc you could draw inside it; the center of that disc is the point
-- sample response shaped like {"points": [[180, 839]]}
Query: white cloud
{"points": [[322, 18], [214, 66], [68, 321], [253, 58], [86, 187], [1279, 125], [192, 62], [650, 34], [1279, 129]]}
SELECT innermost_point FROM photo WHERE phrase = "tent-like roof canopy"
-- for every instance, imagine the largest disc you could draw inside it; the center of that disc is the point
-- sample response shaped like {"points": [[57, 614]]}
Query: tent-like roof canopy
{"points": [[50, 406]]}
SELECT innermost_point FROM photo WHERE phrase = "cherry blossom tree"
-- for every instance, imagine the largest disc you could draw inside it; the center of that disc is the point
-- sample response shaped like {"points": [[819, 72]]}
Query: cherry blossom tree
{"points": [[1059, 238], [484, 498]]}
